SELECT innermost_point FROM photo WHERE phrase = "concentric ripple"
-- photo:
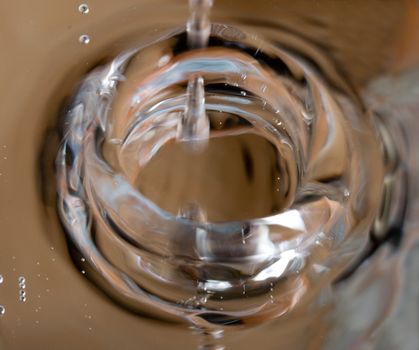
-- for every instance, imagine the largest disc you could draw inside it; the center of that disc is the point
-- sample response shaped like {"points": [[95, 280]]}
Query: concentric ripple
{"points": [[207, 262]]}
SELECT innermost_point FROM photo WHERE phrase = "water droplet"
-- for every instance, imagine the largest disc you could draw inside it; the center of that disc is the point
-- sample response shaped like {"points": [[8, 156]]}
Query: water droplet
{"points": [[82, 259], [84, 39], [1, 279], [263, 88], [163, 60], [83, 272], [84, 9], [243, 76], [21, 279], [243, 93], [2, 310]]}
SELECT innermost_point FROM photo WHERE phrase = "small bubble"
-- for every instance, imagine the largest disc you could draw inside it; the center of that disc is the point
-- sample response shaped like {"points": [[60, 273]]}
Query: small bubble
{"points": [[22, 285], [84, 9], [84, 39], [1, 279], [83, 272], [2, 310], [22, 293], [21, 279], [82, 259], [163, 60]]}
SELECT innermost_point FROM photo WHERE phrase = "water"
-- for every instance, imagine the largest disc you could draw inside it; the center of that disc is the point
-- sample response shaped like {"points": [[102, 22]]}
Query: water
{"points": [[258, 227], [175, 230]]}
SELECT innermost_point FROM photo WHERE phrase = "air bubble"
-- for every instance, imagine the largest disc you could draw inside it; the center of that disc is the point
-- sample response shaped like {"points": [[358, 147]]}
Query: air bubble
{"points": [[84, 9], [1, 279], [84, 39], [2, 310]]}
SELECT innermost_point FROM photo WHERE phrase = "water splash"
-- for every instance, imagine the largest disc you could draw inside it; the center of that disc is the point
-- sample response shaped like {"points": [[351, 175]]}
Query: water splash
{"points": [[124, 119]]}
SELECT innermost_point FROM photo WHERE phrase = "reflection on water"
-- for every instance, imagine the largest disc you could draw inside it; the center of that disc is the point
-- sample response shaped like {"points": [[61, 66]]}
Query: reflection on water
{"points": [[300, 260]]}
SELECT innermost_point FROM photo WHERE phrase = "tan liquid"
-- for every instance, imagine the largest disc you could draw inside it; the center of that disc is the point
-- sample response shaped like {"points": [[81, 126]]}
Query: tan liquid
{"points": [[41, 62]]}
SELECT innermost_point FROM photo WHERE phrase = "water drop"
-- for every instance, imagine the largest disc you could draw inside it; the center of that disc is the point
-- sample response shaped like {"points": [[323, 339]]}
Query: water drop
{"points": [[243, 93], [84, 9], [83, 272], [263, 88], [84, 39], [2, 310], [1, 279]]}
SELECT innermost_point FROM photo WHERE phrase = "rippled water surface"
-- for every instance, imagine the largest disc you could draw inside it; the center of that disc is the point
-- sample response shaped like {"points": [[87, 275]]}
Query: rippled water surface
{"points": [[248, 185]]}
